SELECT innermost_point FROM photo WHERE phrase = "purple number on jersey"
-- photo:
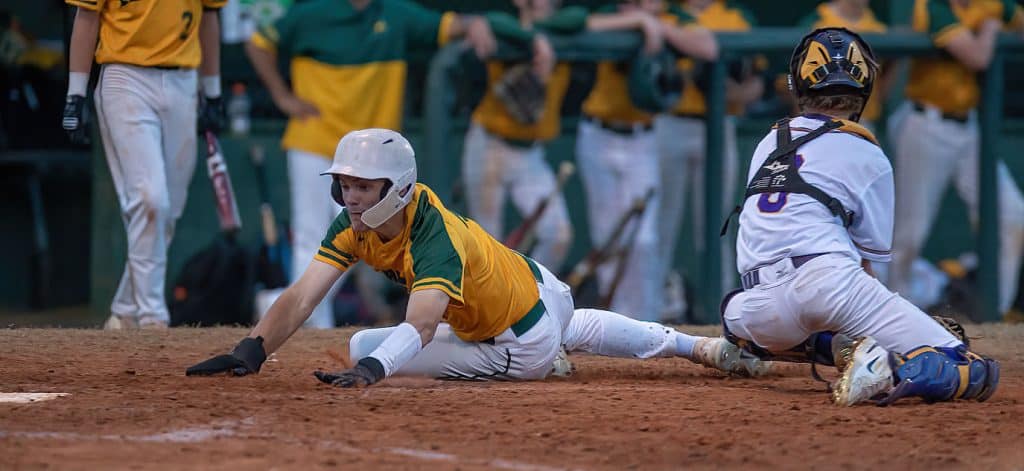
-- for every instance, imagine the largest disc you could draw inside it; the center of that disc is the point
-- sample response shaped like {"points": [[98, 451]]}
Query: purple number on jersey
{"points": [[773, 202]]}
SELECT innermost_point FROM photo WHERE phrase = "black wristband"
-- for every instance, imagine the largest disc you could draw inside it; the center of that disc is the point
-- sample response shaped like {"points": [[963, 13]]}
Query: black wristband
{"points": [[375, 367], [250, 351]]}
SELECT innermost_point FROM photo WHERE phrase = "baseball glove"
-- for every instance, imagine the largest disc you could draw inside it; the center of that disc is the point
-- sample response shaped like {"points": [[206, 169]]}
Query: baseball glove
{"points": [[954, 328], [522, 93]]}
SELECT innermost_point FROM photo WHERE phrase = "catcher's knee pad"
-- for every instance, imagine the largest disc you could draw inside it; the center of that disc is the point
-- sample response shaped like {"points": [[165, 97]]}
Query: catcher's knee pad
{"points": [[944, 374], [744, 344]]}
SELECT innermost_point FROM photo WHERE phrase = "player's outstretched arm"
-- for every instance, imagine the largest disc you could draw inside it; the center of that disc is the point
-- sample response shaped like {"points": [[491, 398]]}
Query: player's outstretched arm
{"points": [[283, 318], [425, 311]]}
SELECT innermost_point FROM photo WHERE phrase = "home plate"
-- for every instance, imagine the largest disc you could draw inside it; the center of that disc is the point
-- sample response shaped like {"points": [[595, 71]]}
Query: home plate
{"points": [[25, 398]]}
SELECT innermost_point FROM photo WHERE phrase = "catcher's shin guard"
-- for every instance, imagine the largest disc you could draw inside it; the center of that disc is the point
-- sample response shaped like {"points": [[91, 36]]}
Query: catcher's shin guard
{"points": [[944, 374]]}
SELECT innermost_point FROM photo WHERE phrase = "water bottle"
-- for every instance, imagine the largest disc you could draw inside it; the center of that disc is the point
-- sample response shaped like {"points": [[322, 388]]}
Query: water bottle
{"points": [[238, 110]]}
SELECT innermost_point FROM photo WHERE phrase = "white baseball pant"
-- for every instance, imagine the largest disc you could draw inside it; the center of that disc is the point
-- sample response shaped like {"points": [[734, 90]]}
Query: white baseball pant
{"points": [[531, 355], [313, 211], [617, 169], [147, 122], [829, 293], [492, 170], [929, 151], [682, 148]]}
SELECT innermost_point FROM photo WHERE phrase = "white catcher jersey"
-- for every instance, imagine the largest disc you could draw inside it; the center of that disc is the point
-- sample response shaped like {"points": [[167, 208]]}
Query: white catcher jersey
{"points": [[846, 164]]}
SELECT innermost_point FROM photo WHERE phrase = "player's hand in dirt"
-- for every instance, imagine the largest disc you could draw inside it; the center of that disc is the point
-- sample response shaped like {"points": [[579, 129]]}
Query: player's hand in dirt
{"points": [[75, 120], [367, 371], [296, 107], [247, 357], [211, 115]]}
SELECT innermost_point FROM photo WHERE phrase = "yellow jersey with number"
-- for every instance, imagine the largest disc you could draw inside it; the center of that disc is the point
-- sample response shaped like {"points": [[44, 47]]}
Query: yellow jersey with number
{"points": [[490, 285], [149, 33]]}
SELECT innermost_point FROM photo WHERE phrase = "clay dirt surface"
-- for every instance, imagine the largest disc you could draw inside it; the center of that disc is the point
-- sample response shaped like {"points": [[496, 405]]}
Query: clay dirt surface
{"points": [[131, 407]]}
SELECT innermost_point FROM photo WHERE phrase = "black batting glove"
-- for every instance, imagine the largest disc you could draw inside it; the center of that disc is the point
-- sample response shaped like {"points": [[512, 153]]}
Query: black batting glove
{"points": [[367, 371], [76, 120], [247, 358], [211, 115]]}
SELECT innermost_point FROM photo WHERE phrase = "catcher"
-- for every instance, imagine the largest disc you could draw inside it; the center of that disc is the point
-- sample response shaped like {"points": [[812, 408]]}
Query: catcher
{"points": [[810, 294], [477, 309]]}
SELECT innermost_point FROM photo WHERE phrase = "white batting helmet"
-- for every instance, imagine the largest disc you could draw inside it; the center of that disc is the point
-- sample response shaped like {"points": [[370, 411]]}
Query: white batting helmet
{"points": [[377, 154]]}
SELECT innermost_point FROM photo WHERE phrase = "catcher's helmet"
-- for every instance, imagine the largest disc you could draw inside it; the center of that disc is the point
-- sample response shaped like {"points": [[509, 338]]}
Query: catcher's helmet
{"points": [[377, 154], [832, 61]]}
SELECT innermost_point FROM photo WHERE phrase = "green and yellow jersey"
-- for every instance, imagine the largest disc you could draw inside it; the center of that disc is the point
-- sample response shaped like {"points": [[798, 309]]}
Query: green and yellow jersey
{"points": [[826, 17], [350, 63], [491, 113], [609, 99], [149, 33], [943, 81], [491, 286], [718, 16]]}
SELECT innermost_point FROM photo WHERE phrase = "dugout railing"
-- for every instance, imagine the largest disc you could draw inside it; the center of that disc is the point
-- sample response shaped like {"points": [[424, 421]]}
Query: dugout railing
{"points": [[440, 99]]}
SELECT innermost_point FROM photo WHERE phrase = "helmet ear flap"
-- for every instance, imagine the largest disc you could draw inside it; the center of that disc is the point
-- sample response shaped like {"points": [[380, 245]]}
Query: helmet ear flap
{"points": [[336, 191]]}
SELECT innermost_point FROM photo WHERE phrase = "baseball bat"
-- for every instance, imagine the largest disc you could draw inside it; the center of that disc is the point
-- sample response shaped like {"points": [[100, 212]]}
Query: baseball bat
{"points": [[626, 247], [598, 255], [273, 257], [521, 238], [223, 192]]}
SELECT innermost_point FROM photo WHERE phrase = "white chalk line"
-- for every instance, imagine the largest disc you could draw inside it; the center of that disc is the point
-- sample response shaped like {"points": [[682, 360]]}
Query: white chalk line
{"points": [[230, 428], [26, 398]]}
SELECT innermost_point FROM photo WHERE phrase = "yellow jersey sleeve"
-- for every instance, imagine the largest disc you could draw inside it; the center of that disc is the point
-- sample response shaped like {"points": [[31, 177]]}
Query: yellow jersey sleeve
{"points": [[339, 244], [438, 253], [214, 4]]}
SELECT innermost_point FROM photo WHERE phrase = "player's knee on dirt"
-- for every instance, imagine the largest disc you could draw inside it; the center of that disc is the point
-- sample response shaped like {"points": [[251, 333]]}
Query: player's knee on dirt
{"points": [[943, 374]]}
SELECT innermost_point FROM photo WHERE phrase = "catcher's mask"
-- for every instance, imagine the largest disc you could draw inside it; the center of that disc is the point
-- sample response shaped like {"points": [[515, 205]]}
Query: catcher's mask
{"points": [[832, 61], [376, 154]]}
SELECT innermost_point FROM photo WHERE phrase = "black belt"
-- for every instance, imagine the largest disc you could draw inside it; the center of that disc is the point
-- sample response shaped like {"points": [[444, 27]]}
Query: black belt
{"points": [[531, 317], [951, 117], [752, 278], [518, 143], [626, 129], [680, 114]]}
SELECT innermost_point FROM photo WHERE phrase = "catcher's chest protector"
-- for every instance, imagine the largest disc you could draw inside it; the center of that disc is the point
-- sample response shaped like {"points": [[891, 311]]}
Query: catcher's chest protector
{"points": [[780, 173]]}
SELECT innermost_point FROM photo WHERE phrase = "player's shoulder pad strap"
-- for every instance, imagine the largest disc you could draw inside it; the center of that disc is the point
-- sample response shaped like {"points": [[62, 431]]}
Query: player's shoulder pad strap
{"points": [[780, 173]]}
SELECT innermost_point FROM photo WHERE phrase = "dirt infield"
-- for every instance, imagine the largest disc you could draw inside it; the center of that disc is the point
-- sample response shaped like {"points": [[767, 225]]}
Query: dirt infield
{"points": [[130, 406]]}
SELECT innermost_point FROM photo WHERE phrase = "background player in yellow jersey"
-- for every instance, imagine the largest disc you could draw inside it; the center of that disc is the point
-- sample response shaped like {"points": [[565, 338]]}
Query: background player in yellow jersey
{"points": [[348, 70], [504, 157], [616, 155], [681, 142], [477, 309], [146, 102], [935, 133]]}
